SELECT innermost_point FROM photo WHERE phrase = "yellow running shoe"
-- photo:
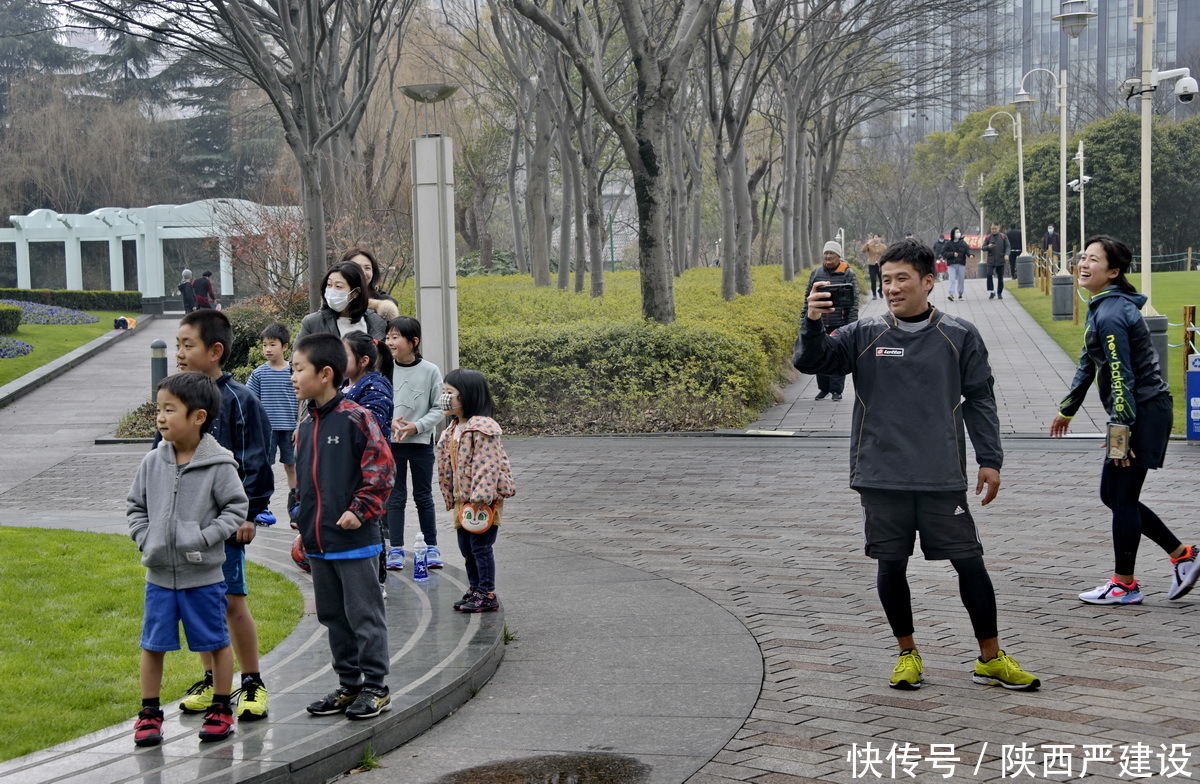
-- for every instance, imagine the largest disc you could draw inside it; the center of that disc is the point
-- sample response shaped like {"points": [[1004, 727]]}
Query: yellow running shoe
{"points": [[1004, 671], [199, 697], [907, 675], [251, 701]]}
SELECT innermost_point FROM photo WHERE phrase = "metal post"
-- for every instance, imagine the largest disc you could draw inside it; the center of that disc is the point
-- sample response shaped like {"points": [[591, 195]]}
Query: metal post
{"points": [[1147, 22], [1082, 182], [158, 366], [612, 253]]}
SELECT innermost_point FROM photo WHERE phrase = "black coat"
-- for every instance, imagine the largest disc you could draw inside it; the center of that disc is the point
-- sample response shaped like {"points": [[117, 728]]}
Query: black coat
{"points": [[956, 251]]}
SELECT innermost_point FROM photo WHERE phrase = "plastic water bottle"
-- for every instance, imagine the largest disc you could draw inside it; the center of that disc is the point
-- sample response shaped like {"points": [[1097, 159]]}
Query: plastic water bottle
{"points": [[420, 559]]}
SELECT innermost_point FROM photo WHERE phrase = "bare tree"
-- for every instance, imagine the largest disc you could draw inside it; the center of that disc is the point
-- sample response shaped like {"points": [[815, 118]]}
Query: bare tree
{"points": [[318, 63], [661, 39]]}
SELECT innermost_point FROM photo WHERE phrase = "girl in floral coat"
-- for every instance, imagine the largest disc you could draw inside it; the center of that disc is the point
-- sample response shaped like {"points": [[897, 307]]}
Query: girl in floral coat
{"points": [[475, 477]]}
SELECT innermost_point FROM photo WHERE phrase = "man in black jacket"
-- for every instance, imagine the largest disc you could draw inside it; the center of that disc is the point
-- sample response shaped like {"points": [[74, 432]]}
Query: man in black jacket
{"points": [[1016, 245], [920, 375], [834, 270], [995, 245]]}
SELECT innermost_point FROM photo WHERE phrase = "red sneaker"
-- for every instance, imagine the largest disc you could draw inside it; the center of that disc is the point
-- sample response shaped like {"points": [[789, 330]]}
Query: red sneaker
{"points": [[147, 728], [218, 723]]}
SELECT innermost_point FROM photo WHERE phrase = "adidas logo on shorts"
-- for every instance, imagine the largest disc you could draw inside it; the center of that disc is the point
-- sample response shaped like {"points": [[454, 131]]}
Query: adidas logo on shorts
{"points": [[959, 510]]}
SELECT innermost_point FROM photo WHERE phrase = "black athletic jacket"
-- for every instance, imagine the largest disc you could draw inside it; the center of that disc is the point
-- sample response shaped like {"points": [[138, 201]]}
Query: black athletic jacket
{"points": [[1116, 341], [913, 393]]}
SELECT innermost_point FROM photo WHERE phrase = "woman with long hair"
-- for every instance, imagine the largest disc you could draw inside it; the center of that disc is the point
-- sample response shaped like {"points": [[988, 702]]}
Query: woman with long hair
{"points": [[1118, 354]]}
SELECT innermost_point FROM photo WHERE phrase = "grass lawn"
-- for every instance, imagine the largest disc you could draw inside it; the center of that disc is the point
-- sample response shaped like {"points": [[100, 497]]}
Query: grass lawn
{"points": [[70, 629], [51, 341], [1172, 290]]}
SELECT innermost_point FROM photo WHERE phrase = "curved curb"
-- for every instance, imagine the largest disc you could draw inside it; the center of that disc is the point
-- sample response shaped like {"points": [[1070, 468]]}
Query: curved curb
{"points": [[440, 659]]}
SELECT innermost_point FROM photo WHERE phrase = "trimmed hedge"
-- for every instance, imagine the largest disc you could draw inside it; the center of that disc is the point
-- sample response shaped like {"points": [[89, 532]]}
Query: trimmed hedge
{"points": [[561, 362], [128, 301], [10, 319]]}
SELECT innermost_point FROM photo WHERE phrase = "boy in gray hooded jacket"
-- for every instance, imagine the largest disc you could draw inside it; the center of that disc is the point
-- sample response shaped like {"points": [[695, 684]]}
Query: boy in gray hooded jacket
{"points": [[186, 500]]}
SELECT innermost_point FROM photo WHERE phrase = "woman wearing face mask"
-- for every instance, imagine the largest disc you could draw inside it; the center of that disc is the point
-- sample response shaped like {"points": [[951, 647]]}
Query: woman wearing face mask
{"points": [[955, 252], [345, 308]]}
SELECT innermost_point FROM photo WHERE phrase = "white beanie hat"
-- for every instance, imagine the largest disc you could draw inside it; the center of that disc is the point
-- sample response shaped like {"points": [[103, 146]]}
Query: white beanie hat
{"points": [[833, 245]]}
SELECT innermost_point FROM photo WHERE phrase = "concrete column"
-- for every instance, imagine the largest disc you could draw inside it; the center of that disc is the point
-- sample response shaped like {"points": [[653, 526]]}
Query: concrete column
{"points": [[434, 265], [74, 257], [225, 251], [116, 264], [1062, 289], [21, 246]]}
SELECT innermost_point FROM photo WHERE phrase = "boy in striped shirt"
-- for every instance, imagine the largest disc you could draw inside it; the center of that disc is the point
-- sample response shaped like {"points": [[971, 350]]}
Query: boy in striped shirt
{"points": [[271, 383]]}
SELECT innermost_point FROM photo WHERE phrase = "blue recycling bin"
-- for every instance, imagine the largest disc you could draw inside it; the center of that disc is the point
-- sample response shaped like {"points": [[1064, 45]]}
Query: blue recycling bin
{"points": [[1192, 390]]}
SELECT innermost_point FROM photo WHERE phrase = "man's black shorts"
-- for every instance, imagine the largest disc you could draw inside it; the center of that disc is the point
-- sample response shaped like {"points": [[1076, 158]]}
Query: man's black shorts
{"points": [[892, 519]]}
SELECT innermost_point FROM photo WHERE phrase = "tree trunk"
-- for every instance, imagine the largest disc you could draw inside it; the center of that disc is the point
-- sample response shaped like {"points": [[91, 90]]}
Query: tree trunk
{"points": [[514, 203], [728, 227], [744, 215], [580, 226], [568, 173], [787, 204], [649, 185], [314, 219], [537, 175]]}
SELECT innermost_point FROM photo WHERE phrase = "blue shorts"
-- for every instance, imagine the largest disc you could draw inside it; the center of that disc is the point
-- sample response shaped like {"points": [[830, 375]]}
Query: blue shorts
{"points": [[235, 569], [202, 611], [281, 439]]}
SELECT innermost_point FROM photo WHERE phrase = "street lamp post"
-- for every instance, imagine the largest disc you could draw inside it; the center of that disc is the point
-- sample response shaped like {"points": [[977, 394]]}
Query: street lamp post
{"points": [[1078, 186], [1024, 261]]}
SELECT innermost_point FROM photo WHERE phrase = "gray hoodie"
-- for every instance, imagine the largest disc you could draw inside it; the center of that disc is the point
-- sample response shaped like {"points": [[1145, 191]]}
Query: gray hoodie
{"points": [[913, 393], [180, 516]]}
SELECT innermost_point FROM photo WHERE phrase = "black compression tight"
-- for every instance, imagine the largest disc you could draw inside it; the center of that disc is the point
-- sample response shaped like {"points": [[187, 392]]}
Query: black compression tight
{"points": [[974, 586], [1120, 490]]}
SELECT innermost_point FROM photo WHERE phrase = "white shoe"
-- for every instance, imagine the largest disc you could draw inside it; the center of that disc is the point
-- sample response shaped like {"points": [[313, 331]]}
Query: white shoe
{"points": [[1112, 592], [1184, 574]]}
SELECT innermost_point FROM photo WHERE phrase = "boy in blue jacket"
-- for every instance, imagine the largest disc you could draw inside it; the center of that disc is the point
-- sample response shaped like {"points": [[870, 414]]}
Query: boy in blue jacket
{"points": [[242, 426], [344, 474], [185, 501]]}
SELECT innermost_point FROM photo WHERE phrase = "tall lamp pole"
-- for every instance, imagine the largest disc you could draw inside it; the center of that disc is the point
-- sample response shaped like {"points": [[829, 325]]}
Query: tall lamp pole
{"points": [[1146, 20], [991, 135], [1022, 99]]}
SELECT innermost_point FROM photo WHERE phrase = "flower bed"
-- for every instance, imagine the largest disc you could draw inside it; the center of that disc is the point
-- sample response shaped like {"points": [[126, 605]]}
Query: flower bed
{"points": [[36, 313], [11, 348]]}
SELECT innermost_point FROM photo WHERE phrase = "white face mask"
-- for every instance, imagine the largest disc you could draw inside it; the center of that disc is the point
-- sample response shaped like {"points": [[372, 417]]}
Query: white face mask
{"points": [[1050, 229], [336, 299], [957, 234]]}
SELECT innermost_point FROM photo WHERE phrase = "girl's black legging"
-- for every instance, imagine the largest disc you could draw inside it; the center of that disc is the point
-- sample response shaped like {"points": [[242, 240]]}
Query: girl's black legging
{"points": [[974, 586], [1120, 489]]}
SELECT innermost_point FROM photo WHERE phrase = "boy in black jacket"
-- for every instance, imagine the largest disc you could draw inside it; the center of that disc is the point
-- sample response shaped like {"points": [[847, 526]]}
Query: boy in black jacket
{"points": [[202, 344], [344, 475]]}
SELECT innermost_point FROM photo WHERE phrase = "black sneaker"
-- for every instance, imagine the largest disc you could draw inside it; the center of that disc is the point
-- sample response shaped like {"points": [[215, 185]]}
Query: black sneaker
{"points": [[466, 597], [372, 701], [334, 702], [481, 602], [821, 395], [837, 396]]}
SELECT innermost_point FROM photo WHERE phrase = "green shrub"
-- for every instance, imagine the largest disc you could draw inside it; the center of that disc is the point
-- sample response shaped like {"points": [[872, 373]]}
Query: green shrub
{"points": [[10, 319], [504, 262], [125, 301], [565, 362]]}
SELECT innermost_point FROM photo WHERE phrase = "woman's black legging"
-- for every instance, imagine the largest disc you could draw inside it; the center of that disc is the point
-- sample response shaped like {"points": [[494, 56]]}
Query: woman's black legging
{"points": [[1120, 489], [974, 586]]}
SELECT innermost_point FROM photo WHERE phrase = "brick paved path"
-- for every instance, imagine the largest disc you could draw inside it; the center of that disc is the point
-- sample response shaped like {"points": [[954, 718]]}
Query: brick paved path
{"points": [[768, 529]]}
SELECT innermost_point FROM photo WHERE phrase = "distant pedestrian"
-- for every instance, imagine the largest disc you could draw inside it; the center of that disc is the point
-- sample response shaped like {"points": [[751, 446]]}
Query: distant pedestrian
{"points": [[475, 477], [1016, 246], [185, 501], [1051, 240], [202, 287], [956, 251], [873, 249], [920, 375], [834, 270], [996, 248], [187, 291], [1118, 353], [346, 473]]}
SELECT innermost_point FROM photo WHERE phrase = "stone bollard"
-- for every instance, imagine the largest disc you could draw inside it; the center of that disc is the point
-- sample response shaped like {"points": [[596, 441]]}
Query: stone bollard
{"points": [[1062, 291], [158, 366], [1024, 272], [1158, 337]]}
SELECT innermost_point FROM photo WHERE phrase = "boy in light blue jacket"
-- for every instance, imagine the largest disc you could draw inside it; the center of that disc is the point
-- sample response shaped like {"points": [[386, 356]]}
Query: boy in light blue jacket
{"points": [[186, 500]]}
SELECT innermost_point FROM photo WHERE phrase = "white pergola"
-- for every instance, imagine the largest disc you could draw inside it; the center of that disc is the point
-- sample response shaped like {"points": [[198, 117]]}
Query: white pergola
{"points": [[147, 226]]}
